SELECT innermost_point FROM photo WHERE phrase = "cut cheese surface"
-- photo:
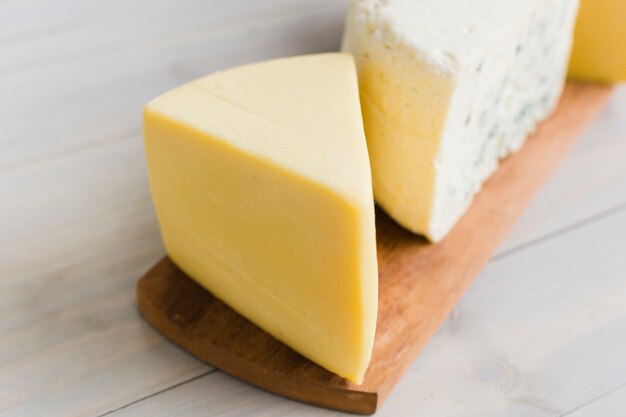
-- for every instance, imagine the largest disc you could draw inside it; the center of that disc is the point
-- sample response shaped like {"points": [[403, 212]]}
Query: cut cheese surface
{"points": [[447, 89], [600, 41], [262, 186]]}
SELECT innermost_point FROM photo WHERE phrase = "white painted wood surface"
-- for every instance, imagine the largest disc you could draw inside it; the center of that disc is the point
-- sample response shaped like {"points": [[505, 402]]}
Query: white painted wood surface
{"points": [[542, 332]]}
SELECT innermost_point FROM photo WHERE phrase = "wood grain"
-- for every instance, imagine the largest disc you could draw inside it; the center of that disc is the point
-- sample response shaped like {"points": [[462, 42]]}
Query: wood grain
{"points": [[419, 283], [66, 30], [75, 232], [84, 100]]}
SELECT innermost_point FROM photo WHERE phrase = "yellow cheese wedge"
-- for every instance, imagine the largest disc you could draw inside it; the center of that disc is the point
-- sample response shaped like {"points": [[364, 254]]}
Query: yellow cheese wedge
{"points": [[600, 41], [261, 180]]}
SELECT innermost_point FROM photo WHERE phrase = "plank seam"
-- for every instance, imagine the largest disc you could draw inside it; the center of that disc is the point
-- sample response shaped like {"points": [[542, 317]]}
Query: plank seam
{"points": [[161, 391], [560, 232], [580, 407]]}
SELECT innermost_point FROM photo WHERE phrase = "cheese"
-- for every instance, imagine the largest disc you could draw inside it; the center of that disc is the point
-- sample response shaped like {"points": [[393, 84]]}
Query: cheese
{"points": [[262, 186], [447, 89], [600, 41]]}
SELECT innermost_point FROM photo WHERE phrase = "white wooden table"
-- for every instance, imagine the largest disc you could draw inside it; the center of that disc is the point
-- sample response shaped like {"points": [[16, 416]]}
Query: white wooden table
{"points": [[542, 332]]}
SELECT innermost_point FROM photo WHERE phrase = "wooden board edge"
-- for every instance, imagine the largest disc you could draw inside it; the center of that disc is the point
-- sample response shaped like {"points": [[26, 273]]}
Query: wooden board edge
{"points": [[347, 399]]}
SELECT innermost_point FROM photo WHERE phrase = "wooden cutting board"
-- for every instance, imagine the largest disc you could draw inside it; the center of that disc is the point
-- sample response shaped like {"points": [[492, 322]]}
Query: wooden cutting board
{"points": [[420, 283]]}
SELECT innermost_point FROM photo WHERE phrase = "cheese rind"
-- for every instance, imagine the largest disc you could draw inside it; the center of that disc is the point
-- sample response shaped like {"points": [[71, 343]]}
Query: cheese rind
{"points": [[261, 181], [447, 89], [599, 52]]}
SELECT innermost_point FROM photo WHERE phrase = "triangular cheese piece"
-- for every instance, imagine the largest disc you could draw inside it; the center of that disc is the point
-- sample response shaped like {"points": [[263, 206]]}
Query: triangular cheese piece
{"points": [[261, 180]]}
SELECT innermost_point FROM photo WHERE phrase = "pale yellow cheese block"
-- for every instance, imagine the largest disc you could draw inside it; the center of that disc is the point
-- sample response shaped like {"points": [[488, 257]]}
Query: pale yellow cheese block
{"points": [[600, 41], [261, 180]]}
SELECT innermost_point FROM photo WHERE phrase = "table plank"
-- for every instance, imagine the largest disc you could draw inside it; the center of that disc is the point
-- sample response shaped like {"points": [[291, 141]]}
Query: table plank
{"points": [[39, 33], [589, 182], [532, 333], [77, 232], [53, 110]]}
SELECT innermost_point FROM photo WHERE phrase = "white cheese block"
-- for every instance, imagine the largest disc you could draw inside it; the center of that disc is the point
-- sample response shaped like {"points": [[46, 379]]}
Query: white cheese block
{"points": [[448, 87]]}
